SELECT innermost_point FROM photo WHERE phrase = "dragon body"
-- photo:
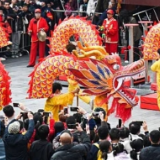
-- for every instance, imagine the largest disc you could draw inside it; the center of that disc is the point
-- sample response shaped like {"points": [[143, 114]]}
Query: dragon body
{"points": [[152, 43], [5, 92], [4, 36], [73, 26], [45, 73], [99, 77]]}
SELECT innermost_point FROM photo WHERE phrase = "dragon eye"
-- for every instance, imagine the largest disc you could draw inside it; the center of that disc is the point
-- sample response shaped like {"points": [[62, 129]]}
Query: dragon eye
{"points": [[116, 67]]}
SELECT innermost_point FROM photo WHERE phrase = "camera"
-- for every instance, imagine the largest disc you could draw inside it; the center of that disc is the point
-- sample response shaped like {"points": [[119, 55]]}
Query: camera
{"points": [[24, 115]]}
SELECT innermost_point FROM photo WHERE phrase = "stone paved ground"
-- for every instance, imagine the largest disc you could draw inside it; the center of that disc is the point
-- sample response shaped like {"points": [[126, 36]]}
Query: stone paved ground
{"points": [[19, 74]]}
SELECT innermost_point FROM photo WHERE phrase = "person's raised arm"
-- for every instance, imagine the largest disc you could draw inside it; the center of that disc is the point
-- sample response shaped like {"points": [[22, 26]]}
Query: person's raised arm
{"points": [[30, 130], [51, 127]]}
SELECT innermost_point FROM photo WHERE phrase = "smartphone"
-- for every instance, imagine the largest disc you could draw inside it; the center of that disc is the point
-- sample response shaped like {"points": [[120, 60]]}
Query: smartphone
{"points": [[65, 110], [46, 114], [24, 115], [84, 122], [15, 104], [74, 109], [139, 122], [119, 123]]}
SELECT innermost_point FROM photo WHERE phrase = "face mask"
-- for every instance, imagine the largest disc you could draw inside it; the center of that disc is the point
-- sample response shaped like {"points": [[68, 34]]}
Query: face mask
{"points": [[37, 14]]}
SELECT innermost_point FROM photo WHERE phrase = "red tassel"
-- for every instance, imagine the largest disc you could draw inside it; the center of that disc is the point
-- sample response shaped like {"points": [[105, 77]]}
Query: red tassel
{"points": [[122, 112]]}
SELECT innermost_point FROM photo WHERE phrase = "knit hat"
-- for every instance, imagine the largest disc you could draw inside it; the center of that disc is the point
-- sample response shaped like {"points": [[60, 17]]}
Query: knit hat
{"points": [[14, 127]]}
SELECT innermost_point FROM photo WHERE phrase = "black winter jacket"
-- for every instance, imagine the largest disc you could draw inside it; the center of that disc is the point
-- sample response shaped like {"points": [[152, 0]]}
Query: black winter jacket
{"points": [[72, 151], [16, 144], [41, 150], [150, 153]]}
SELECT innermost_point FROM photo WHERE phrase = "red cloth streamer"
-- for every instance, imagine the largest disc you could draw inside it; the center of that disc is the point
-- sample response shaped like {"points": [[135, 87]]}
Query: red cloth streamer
{"points": [[122, 112]]}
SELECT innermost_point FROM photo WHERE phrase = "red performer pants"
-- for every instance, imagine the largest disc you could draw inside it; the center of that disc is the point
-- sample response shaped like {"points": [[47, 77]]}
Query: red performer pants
{"points": [[111, 47], [36, 46]]}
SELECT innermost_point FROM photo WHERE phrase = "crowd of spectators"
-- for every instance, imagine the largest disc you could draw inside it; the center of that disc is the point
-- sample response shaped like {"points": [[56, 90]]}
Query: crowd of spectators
{"points": [[18, 13], [81, 136]]}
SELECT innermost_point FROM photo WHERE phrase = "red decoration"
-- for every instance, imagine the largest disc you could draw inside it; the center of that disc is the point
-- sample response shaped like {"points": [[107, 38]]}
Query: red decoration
{"points": [[129, 47], [122, 51]]}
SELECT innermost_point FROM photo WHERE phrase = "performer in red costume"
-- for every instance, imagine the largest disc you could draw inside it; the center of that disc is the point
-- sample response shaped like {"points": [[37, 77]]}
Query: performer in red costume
{"points": [[36, 25], [111, 32]]}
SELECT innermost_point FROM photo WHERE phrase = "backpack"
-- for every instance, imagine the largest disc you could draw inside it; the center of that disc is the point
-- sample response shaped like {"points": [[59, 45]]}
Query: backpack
{"points": [[99, 154]]}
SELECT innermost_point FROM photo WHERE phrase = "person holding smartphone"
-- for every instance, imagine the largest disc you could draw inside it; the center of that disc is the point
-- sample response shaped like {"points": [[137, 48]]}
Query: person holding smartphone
{"points": [[15, 142]]}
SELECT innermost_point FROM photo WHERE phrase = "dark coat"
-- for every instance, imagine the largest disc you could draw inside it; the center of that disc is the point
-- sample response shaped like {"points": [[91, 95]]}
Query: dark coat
{"points": [[72, 151], [102, 5], [41, 150], [150, 153], [9, 12], [22, 16], [16, 144]]}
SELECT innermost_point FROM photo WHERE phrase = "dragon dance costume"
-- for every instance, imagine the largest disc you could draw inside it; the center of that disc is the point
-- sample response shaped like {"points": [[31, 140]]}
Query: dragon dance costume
{"points": [[103, 76], [5, 91], [151, 46]]}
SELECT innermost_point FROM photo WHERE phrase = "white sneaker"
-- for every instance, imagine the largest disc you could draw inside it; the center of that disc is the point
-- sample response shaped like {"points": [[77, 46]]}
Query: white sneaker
{"points": [[13, 56], [126, 61]]}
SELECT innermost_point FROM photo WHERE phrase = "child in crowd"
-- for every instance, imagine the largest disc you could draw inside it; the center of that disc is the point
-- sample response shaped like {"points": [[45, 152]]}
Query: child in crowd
{"points": [[106, 150]]}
